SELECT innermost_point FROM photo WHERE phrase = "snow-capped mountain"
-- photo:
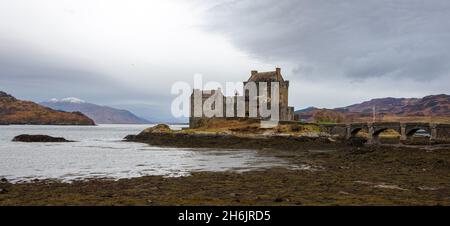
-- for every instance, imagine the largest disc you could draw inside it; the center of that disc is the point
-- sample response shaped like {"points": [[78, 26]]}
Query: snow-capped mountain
{"points": [[15, 111], [67, 100]]}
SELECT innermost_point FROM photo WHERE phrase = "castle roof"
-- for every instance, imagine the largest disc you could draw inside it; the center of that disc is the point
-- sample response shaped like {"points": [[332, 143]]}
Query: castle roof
{"points": [[269, 76]]}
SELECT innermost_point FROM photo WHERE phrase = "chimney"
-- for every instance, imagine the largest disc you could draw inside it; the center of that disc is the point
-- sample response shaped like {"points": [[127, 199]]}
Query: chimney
{"points": [[278, 73], [254, 72]]}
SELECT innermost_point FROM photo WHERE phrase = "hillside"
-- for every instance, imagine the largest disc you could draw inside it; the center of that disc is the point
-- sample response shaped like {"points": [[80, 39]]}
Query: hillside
{"points": [[14, 111], [100, 114], [398, 109]]}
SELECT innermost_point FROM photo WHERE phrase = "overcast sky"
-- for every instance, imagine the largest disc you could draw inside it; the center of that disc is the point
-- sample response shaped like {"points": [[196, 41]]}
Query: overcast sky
{"points": [[129, 53]]}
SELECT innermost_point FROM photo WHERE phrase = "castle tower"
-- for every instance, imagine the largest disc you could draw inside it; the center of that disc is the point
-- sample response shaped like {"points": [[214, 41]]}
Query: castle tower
{"points": [[286, 112]]}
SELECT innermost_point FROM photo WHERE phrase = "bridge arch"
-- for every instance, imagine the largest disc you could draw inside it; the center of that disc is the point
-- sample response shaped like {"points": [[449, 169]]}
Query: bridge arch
{"points": [[410, 129], [410, 132], [377, 132], [354, 131], [376, 129]]}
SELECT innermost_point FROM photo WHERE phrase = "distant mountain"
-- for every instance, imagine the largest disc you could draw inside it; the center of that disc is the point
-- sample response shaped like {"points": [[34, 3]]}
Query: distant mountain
{"points": [[100, 114], [313, 114], [14, 111], [437, 105], [308, 109], [433, 105]]}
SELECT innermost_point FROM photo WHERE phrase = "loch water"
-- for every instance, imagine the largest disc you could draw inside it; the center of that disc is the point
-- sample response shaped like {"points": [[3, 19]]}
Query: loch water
{"points": [[99, 152]]}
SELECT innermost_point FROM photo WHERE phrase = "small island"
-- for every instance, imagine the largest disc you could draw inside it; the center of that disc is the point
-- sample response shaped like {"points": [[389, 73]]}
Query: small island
{"points": [[238, 134], [39, 138]]}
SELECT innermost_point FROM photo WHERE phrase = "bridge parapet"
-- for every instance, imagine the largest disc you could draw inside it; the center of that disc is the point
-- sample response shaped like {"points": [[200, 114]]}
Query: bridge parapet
{"points": [[406, 130]]}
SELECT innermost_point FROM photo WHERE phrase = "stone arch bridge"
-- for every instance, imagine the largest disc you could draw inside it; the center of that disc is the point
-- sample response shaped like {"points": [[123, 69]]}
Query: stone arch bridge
{"points": [[406, 130]]}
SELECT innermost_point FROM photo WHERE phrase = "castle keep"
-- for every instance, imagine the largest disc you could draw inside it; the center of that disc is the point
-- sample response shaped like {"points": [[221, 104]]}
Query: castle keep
{"points": [[230, 104]]}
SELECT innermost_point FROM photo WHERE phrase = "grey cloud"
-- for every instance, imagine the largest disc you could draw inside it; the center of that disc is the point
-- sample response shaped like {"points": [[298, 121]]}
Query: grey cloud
{"points": [[33, 74], [342, 39], [371, 43], [31, 71]]}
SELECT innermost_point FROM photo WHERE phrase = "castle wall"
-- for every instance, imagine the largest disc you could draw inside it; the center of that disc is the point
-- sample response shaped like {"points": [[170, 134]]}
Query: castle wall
{"points": [[290, 115], [284, 100]]}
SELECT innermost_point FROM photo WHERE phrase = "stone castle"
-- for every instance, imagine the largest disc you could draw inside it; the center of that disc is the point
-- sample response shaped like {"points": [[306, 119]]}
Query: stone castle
{"points": [[286, 112]]}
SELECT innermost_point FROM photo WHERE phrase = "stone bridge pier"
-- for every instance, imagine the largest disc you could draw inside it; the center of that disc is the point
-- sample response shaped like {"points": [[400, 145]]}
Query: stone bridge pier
{"points": [[440, 132]]}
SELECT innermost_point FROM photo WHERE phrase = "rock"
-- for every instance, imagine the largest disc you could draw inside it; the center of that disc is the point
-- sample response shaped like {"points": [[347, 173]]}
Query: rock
{"points": [[39, 138], [304, 139], [130, 137], [425, 188], [311, 134], [390, 186], [323, 140], [3, 191], [356, 141], [4, 180], [279, 199], [160, 128]]}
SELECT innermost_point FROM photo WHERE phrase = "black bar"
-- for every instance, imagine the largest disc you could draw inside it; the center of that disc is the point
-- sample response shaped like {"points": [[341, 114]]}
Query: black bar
{"points": [[229, 215]]}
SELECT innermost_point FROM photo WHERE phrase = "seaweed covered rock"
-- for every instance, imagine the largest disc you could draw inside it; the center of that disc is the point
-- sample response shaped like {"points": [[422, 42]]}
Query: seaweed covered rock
{"points": [[149, 133], [39, 138], [356, 141], [160, 128]]}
